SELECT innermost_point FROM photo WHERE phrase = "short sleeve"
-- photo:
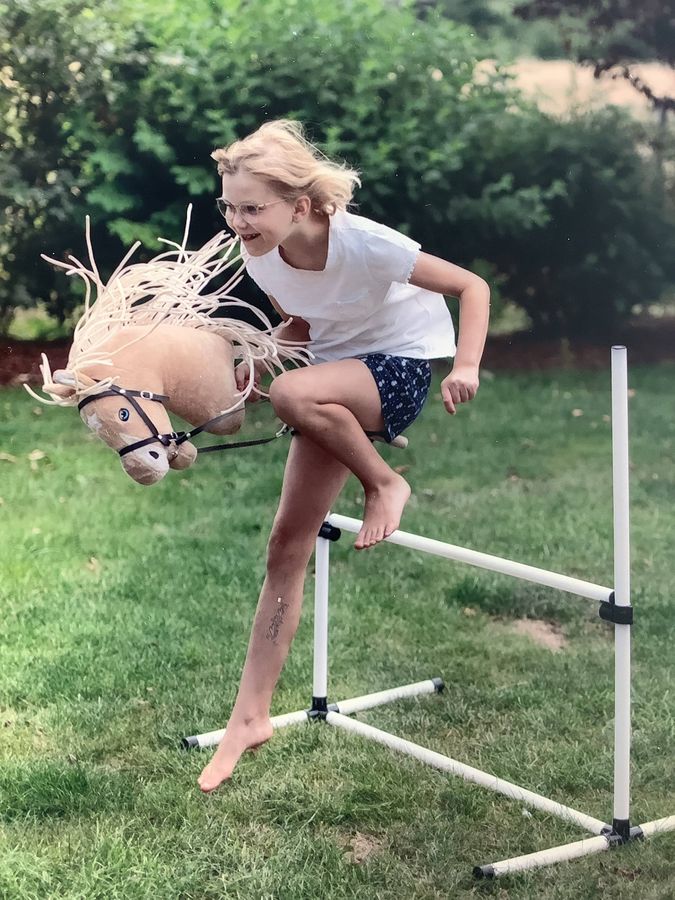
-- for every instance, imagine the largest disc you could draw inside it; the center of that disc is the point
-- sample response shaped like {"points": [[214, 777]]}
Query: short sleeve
{"points": [[254, 272], [391, 256]]}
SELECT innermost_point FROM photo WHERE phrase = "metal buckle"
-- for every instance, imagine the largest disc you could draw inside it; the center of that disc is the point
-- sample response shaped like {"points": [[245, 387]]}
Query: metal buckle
{"points": [[146, 395]]}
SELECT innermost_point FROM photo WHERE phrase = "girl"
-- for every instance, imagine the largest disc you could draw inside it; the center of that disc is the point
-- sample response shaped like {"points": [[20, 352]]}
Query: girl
{"points": [[371, 306]]}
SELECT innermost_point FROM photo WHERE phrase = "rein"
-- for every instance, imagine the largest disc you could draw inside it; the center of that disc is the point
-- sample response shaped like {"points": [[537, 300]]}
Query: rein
{"points": [[173, 437]]}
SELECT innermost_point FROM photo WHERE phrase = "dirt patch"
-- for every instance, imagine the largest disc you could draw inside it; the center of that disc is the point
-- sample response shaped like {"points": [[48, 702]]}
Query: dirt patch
{"points": [[546, 634], [360, 847]]}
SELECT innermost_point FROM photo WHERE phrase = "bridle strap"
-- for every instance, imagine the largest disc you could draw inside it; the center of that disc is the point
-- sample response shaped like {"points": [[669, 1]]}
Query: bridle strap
{"points": [[235, 445], [238, 444], [176, 437], [186, 435], [125, 392], [131, 395]]}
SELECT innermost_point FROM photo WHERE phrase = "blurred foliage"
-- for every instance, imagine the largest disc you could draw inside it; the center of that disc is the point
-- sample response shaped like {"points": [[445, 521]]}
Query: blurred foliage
{"points": [[611, 31], [600, 238], [113, 111], [493, 21], [64, 70], [481, 15], [610, 35]]}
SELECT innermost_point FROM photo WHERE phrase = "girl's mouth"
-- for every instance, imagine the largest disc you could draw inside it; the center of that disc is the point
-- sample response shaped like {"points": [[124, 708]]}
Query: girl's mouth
{"points": [[249, 237]]}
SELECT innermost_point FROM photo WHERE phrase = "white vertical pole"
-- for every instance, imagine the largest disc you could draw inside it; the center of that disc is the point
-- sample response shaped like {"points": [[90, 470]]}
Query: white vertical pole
{"points": [[321, 563], [620, 472]]}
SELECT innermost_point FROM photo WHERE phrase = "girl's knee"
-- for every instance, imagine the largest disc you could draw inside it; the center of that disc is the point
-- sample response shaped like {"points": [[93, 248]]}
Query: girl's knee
{"points": [[287, 393], [288, 548]]}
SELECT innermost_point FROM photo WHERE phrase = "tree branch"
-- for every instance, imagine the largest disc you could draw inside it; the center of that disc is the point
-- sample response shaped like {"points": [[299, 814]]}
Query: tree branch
{"points": [[659, 103]]}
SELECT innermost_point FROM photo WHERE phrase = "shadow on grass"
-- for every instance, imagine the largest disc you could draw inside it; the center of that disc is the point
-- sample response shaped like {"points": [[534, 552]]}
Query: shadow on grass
{"points": [[47, 789], [516, 600]]}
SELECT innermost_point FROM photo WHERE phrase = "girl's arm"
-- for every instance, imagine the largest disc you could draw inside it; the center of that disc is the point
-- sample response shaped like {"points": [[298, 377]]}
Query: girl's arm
{"points": [[294, 329], [291, 329], [473, 292]]}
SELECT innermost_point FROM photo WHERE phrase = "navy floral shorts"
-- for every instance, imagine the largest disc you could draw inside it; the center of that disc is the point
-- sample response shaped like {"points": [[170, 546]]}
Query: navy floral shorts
{"points": [[403, 384]]}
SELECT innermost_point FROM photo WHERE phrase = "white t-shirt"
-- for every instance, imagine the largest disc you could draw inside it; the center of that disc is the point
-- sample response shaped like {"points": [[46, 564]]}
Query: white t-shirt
{"points": [[361, 301]]}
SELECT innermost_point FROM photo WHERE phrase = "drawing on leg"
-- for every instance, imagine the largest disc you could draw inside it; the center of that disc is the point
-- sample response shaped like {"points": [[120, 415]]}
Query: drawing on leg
{"points": [[277, 621]]}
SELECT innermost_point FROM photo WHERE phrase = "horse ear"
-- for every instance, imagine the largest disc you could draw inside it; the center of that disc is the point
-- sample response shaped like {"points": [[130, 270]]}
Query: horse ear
{"points": [[63, 376], [66, 381]]}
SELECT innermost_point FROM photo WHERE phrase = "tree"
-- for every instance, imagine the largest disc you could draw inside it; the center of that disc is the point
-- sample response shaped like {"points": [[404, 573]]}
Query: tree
{"points": [[612, 35], [114, 112], [64, 63]]}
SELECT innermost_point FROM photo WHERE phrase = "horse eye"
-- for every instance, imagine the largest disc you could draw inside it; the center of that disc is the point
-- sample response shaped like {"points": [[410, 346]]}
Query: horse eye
{"points": [[124, 414]]}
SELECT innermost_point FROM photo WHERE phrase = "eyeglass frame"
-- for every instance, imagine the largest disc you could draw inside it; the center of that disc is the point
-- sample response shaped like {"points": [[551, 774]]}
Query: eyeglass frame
{"points": [[228, 210]]}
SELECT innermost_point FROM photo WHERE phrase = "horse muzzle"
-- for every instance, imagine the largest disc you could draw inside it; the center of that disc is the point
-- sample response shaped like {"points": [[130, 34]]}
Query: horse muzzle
{"points": [[147, 465]]}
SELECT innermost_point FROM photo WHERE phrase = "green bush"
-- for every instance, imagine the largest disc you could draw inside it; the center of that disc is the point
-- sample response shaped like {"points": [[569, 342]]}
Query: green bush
{"points": [[137, 95], [599, 236], [60, 76]]}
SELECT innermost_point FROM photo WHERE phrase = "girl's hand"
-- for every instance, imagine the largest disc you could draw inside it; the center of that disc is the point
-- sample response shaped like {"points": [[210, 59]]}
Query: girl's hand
{"points": [[460, 386], [241, 377]]}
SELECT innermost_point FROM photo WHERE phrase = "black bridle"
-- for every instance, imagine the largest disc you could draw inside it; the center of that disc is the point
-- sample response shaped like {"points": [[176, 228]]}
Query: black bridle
{"points": [[173, 437]]}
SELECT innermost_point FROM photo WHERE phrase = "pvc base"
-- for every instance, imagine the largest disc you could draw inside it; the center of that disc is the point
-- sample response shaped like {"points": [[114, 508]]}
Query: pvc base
{"points": [[575, 850], [346, 707], [337, 714]]}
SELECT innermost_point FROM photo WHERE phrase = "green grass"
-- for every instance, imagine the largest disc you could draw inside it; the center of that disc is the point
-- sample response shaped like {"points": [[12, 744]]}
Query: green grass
{"points": [[125, 619]]}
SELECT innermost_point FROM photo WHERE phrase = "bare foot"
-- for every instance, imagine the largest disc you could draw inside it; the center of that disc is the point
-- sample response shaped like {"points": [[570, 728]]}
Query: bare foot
{"points": [[383, 510], [238, 737]]}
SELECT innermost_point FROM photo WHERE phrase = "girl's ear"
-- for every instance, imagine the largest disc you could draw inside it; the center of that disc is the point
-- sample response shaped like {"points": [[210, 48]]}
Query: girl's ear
{"points": [[302, 207]]}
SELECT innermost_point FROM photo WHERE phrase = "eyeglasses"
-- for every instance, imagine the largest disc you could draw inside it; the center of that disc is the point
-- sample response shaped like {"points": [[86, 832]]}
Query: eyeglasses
{"points": [[247, 211]]}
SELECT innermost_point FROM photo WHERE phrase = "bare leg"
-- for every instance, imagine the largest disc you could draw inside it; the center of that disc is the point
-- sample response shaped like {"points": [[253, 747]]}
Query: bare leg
{"points": [[332, 403], [312, 481]]}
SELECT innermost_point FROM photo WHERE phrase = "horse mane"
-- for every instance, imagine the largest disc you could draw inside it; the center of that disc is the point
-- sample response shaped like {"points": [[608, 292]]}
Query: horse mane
{"points": [[169, 289]]}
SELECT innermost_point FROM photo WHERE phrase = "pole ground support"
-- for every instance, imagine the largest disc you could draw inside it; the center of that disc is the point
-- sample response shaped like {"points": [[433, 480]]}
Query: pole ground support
{"points": [[566, 852]]}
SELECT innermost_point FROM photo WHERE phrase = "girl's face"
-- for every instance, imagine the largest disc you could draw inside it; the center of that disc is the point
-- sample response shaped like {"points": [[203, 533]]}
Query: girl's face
{"points": [[253, 211]]}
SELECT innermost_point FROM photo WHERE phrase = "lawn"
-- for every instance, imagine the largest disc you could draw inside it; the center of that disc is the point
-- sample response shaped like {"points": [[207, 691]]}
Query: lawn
{"points": [[126, 612]]}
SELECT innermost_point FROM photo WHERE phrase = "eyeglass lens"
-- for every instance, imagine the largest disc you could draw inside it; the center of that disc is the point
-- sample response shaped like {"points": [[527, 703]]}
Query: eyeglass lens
{"points": [[247, 210]]}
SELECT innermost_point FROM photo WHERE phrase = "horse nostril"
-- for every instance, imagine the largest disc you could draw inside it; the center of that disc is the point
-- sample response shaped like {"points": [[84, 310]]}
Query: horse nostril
{"points": [[154, 454]]}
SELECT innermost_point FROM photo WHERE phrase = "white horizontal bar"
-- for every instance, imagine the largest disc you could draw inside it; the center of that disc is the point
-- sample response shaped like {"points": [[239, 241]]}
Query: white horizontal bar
{"points": [[368, 701], [650, 829], [356, 704], [210, 738], [565, 852], [484, 561], [446, 764]]}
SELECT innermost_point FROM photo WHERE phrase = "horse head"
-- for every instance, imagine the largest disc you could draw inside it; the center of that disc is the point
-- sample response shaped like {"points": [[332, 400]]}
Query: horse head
{"points": [[156, 339], [134, 423]]}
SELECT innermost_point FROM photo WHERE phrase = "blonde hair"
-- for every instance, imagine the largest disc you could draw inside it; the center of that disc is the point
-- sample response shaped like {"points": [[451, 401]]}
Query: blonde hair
{"points": [[280, 154]]}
